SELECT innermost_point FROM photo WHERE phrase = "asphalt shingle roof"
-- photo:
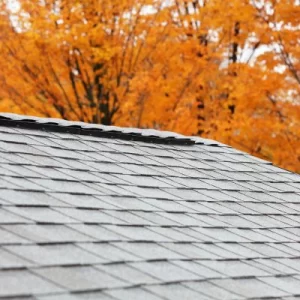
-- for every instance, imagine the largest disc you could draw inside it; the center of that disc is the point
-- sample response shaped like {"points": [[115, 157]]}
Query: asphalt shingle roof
{"points": [[95, 212]]}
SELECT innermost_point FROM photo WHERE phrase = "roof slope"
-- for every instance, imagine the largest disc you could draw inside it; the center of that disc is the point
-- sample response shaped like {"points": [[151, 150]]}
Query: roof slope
{"points": [[135, 217]]}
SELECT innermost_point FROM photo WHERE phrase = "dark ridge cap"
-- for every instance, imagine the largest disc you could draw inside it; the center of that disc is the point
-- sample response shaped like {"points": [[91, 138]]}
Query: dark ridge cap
{"points": [[81, 128]]}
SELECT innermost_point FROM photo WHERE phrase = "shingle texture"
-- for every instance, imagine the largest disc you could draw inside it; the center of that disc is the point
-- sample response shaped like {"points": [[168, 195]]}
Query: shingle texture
{"points": [[113, 216]]}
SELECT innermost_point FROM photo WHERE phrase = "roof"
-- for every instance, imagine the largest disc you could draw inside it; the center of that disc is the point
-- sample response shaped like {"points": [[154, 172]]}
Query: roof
{"points": [[95, 212]]}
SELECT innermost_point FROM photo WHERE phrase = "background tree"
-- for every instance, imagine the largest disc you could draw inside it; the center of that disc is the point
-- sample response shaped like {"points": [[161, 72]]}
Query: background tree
{"points": [[226, 70]]}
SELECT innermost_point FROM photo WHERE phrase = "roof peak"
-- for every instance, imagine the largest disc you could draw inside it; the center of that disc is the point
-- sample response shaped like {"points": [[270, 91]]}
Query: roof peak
{"points": [[82, 128]]}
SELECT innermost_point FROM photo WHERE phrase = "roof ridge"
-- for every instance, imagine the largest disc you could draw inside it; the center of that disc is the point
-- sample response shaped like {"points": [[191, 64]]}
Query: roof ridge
{"points": [[77, 127]]}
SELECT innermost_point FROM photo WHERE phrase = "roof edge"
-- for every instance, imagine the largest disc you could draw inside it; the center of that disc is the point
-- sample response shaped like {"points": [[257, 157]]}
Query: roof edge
{"points": [[81, 128]]}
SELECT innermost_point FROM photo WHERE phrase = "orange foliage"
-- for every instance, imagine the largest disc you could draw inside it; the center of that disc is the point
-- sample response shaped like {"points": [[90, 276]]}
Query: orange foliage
{"points": [[226, 70]]}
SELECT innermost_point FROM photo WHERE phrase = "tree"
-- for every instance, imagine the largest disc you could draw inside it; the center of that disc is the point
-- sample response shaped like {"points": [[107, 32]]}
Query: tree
{"points": [[76, 59], [249, 98], [226, 70]]}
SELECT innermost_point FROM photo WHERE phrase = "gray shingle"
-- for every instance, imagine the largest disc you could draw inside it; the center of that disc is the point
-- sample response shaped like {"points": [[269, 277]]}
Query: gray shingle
{"points": [[285, 248], [190, 251], [236, 221], [79, 278], [218, 250], [52, 173], [249, 288], [9, 215], [97, 232], [19, 148], [7, 159], [137, 233], [180, 218], [209, 221], [56, 297], [219, 209], [295, 246], [198, 207], [261, 196], [37, 160], [127, 218], [255, 235], [234, 268], [108, 167], [141, 169], [82, 175], [213, 195], [8, 237], [88, 217], [40, 214], [70, 144], [290, 285], [154, 218], [135, 293], [288, 219], [66, 186], [29, 198], [19, 282], [187, 193], [5, 170], [76, 296], [109, 252], [273, 236], [164, 271], [149, 251], [81, 201], [198, 269], [9, 260], [275, 265], [191, 232], [56, 152], [127, 273], [71, 164], [151, 192], [240, 250], [265, 221], [48, 255], [164, 205], [143, 181], [293, 263], [181, 292], [48, 233], [266, 250], [19, 171], [220, 234], [24, 184], [171, 234], [211, 290]]}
